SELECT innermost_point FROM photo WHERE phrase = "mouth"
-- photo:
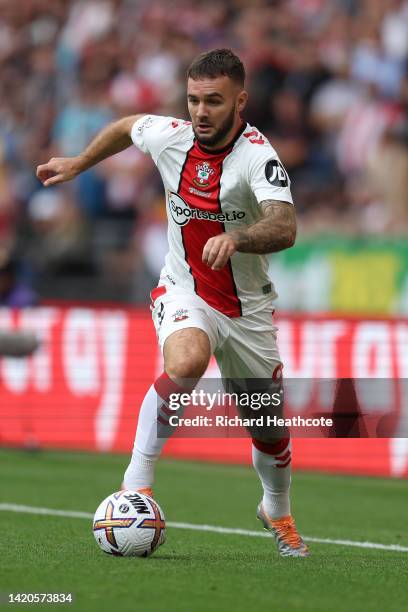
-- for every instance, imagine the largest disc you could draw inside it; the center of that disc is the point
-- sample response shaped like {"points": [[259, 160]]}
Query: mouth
{"points": [[204, 127]]}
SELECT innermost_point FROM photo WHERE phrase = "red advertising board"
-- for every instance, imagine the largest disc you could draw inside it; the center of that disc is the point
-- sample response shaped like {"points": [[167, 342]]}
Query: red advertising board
{"points": [[83, 388]]}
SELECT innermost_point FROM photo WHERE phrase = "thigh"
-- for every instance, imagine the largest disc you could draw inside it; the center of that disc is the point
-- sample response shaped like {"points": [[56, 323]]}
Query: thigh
{"points": [[186, 355], [250, 350], [174, 311], [251, 367]]}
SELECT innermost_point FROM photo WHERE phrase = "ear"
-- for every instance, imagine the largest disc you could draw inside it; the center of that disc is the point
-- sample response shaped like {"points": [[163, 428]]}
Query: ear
{"points": [[242, 100]]}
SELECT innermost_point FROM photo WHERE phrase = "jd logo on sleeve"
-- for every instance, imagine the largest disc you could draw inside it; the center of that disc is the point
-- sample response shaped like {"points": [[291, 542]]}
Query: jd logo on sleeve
{"points": [[276, 174]]}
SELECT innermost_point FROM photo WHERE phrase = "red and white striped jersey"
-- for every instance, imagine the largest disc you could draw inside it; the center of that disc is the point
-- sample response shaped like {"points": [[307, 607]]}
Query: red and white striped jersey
{"points": [[208, 193]]}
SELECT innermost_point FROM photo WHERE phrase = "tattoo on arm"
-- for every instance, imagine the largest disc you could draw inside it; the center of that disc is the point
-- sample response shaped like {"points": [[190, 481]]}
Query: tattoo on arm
{"points": [[275, 231]]}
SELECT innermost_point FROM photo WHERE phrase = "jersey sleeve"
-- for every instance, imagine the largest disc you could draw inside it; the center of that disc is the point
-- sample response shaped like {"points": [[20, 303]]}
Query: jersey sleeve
{"points": [[267, 177], [152, 134]]}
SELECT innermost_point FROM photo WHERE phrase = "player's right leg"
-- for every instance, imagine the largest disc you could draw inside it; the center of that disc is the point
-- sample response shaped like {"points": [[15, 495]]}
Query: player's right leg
{"points": [[187, 337]]}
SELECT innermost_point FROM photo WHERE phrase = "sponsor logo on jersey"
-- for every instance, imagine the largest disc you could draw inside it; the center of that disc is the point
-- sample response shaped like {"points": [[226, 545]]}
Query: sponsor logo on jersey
{"points": [[146, 123], [180, 315], [276, 174], [181, 212], [204, 194], [204, 171]]}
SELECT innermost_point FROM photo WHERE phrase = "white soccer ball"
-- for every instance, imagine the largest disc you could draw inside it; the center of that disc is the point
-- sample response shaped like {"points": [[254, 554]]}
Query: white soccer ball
{"points": [[129, 524]]}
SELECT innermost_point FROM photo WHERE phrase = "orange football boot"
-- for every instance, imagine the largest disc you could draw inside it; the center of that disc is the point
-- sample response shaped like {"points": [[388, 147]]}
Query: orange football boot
{"points": [[143, 490], [287, 537]]}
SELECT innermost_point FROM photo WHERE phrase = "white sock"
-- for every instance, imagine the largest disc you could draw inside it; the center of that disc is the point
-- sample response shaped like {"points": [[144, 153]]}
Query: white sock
{"points": [[152, 433], [140, 471], [274, 470]]}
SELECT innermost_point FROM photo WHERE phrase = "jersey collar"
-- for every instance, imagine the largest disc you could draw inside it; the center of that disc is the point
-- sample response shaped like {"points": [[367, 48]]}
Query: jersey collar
{"points": [[227, 147]]}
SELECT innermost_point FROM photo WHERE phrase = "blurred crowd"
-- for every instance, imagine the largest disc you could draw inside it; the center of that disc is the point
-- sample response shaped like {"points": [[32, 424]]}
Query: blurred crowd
{"points": [[328, 83]]}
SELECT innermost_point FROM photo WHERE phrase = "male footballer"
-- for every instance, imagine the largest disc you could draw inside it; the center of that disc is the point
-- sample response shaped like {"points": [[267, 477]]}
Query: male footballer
{"points": [[229, 205]]}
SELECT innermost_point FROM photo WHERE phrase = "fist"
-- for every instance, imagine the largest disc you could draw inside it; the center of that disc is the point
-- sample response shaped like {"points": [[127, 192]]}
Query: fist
{"points": [[57, 170], [218, 250]]}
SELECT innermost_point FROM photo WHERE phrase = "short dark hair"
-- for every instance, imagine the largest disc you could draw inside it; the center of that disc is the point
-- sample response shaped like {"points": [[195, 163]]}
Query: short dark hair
{"points": [[215, 63]]}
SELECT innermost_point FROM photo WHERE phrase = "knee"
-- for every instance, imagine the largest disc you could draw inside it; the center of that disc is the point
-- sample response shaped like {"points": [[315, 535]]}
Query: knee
{"points": [[186, 354], [190, 364]]}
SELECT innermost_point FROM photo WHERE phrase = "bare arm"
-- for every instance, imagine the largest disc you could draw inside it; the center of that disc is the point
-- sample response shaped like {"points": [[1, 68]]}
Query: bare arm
{"points": [[275, 231], [114, 138]]}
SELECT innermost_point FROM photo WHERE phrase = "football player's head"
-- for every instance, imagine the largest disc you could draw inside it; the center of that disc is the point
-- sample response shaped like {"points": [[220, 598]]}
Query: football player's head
{"points": [[216, 96]]}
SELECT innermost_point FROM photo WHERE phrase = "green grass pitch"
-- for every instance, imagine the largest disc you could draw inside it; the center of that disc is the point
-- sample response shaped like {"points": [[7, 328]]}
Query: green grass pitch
{"points": [[200, 571]]}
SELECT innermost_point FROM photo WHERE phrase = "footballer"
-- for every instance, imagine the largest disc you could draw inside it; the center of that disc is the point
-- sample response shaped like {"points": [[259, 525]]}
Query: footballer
{"points": [[229, 205]]}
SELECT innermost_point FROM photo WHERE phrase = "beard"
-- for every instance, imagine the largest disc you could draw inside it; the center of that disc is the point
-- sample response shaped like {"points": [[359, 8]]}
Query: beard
{"points": [[219, 135]]}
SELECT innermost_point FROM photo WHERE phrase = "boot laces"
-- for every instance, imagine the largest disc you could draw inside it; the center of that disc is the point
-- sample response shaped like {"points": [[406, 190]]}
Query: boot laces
{"points": [[286, 530]]}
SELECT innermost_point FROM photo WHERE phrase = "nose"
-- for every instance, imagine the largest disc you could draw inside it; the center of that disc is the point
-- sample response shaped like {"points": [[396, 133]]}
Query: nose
{"points": [[202, 111]]}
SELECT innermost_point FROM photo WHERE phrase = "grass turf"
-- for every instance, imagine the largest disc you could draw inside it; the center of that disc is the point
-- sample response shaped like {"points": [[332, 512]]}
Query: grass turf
{"points": [[200, 571]]}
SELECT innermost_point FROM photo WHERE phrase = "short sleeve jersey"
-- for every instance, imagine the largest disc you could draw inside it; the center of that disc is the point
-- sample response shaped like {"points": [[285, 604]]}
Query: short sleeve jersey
{"points": [[208, 193]]}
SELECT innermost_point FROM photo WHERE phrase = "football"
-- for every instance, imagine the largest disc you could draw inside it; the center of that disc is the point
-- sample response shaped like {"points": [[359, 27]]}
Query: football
{"points": [[129, 524]]}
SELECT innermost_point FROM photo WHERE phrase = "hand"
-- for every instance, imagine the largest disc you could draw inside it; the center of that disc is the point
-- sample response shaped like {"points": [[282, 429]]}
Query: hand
{"points": [[58, 170], [218, 250]]}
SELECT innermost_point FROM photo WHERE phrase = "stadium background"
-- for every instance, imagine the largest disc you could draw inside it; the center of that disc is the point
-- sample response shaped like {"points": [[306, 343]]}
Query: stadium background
{"points": [[328, 85]]}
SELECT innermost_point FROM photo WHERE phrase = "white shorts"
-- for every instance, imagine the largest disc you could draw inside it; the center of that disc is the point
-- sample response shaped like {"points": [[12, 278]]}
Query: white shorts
{"points": [[244, 347]]}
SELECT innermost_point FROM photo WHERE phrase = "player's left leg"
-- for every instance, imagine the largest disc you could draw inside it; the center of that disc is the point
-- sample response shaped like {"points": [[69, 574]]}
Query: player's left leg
{"points": [[251, 353]]}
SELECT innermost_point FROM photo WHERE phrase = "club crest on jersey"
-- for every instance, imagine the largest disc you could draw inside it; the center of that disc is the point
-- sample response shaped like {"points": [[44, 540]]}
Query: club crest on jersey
{"points": [[180, 315], [204, 171]]}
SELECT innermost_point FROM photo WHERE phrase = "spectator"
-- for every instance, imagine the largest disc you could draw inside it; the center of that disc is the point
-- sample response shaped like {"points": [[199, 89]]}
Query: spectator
{"points": [[328, 85], [13, 291]]}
